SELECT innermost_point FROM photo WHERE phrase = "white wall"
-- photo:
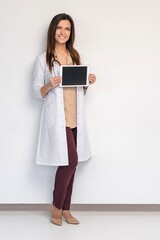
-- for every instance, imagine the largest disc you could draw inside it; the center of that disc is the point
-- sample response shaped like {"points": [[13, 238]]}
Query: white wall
{"points": [[120, 40]]}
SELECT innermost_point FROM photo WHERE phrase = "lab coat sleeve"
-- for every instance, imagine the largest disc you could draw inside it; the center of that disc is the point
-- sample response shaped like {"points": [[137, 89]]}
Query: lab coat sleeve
{"points": [[38, 78]]}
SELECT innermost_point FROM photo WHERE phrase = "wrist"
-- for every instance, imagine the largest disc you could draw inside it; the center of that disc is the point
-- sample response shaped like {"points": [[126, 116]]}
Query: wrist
{"points": [[50, 86]]}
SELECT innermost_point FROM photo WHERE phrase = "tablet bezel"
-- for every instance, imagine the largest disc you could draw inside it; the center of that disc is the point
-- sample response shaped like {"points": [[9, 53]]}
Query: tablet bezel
{"points": [[74, 85]]}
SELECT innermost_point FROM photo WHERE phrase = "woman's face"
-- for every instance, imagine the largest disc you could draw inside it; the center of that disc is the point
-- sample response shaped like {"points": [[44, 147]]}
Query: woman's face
{"points": [[63, 31]]}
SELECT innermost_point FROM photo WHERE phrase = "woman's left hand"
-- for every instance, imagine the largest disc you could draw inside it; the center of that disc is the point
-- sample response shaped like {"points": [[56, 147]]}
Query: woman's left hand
{"points": [[91, 78]]}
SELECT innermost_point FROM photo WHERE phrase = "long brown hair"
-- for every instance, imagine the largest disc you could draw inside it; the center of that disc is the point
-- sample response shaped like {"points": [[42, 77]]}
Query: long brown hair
{"points": [[51, 40]]}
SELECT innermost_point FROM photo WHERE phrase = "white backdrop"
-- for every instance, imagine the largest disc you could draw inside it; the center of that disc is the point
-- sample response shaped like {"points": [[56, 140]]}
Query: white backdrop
{"points": [[120, 41]]}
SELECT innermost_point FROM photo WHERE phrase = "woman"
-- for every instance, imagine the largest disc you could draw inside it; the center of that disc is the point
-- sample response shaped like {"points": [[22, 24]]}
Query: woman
{"points": [[63, 139]]}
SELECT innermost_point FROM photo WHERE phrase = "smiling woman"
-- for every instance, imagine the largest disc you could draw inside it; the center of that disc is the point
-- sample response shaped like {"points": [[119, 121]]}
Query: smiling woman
{"points": [[63, 140], [63, 32], [61, 36]]}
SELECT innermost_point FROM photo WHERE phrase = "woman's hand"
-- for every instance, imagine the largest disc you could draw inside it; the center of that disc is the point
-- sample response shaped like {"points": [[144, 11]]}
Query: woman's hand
{"points": [[55, 81], [91, 78]]}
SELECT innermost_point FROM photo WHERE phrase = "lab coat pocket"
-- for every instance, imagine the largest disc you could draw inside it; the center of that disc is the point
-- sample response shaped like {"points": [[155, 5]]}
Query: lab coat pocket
{"points": [[49, 116]]}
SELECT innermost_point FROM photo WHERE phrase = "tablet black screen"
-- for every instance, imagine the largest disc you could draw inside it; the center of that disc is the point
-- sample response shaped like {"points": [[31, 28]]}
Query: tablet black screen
{"points": [[74, 75]]}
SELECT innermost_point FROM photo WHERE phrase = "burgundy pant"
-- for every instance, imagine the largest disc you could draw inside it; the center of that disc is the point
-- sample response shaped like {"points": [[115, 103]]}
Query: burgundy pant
{"points": [[65, 174]]}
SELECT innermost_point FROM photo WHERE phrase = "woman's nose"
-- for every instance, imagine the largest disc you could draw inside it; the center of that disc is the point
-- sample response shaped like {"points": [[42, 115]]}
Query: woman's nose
{"points": [[62, 31]]}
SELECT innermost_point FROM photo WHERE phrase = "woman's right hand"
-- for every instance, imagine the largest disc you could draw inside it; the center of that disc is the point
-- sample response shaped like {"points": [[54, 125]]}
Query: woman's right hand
{"points": [[55, 81]]}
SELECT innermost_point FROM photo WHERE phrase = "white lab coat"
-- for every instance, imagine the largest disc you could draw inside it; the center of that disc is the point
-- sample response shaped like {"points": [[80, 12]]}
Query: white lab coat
{"points": [[52, 143]]}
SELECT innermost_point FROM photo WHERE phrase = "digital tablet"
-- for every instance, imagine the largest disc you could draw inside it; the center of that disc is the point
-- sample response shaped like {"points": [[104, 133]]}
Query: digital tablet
{"points": [[74, 75]]}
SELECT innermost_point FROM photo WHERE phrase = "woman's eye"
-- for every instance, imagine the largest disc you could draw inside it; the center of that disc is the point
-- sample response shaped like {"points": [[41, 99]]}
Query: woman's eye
{"points": [[66, 29]]}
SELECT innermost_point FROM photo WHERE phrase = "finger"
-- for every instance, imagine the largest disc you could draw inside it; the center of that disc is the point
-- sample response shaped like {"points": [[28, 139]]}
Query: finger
{"points": [[92, 81], [91, 74]]}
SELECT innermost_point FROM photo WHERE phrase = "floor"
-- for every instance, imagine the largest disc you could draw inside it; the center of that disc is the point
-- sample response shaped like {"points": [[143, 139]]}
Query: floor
{"points": [[36, 225]]}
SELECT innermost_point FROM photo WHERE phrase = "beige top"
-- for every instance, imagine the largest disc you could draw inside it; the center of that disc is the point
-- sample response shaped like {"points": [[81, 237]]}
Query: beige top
{"points": [[70, 106], [70, 100]]}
